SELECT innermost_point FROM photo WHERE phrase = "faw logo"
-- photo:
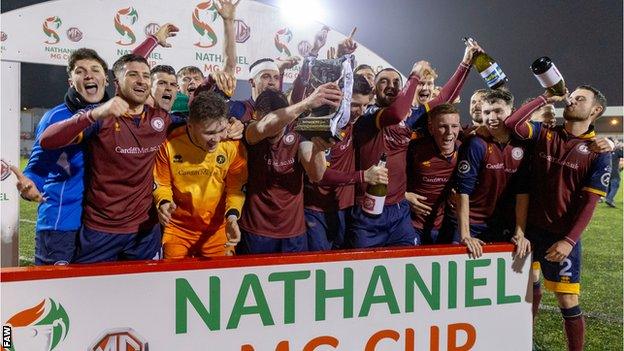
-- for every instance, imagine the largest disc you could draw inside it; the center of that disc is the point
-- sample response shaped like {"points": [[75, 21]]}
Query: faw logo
{"points": [[124, 19], [42, 327], [50, 27], [120, 339]]}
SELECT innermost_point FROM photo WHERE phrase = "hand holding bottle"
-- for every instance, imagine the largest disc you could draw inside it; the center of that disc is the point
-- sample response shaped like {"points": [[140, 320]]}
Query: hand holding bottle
{"points": [[472, 48]]}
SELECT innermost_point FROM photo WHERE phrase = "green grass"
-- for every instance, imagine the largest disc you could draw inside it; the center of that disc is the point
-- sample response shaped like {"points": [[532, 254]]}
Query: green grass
{"points": [[28, 216], [601, 292]]}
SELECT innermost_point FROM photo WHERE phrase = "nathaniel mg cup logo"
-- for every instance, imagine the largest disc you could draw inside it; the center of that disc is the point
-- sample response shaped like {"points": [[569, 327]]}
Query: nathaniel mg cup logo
{"points": [[124, 19], [42, 327], [203, 13], [281, 40], [50, 26]]}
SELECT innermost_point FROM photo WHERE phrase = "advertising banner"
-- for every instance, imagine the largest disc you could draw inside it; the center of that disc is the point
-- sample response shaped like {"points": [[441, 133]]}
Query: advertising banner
{"points": [[47, 33], [9, 155], [407, 299]]}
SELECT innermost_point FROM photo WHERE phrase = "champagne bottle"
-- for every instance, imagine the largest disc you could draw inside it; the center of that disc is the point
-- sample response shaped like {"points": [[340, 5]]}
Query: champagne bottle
{"points": [[375, 196], [487, 67], [548, 75]]}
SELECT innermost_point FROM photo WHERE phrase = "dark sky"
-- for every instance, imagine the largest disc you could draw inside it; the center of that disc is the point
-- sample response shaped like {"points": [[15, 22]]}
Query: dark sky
{"points": [[584, 39]]}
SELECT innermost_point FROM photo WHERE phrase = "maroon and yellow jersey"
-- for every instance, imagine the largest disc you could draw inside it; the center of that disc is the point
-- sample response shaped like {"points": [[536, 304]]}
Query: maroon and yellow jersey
{"points": [[563, 167], [274, 199], [489, 173], [429, 173]]}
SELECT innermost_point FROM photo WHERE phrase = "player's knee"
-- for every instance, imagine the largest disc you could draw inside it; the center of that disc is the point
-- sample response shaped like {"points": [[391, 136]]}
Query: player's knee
{"points": [[567, 300]]}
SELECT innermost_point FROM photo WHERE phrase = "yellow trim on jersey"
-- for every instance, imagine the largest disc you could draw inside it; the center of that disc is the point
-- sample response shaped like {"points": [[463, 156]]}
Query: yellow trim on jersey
{"points": [[427, 108], [536, 266], [589, 135], [79, 138], [530, 129], [377, 116], [566, 288], [595, 191]]}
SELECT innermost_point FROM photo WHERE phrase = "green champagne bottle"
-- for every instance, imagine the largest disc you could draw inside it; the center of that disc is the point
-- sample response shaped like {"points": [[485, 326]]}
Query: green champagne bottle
{"points": [[375, 196], [487, 67]]}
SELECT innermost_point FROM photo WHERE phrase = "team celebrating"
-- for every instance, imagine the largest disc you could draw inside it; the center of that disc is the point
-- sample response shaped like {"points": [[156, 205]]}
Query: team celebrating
{"points": [[172, 167]]}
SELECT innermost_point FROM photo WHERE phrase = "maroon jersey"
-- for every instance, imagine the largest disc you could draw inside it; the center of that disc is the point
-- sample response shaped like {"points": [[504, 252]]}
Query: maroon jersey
{"points": [[118, 195], [486, 171], [429, 173], [274, 199], [341, 157], [371, 142], [562, 168], [119, 182]]}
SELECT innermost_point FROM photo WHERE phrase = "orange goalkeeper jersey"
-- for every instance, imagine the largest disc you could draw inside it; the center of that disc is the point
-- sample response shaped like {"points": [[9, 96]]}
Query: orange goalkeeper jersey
{"points": [[196, 181]]}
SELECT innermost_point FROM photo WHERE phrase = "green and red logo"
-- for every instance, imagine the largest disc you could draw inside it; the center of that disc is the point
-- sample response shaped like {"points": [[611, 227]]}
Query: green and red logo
{"points": [[204, 12], [282, 38], [124, 19], [42, 327], [50, 25]]}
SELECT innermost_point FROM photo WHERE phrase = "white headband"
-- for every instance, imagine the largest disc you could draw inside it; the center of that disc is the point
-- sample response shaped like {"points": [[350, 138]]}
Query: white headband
{"points": [[263, 66]]}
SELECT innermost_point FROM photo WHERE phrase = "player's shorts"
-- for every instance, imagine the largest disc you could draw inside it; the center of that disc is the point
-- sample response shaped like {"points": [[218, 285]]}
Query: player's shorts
{"points": [[55, 247], [259, 244], [492, 231], [393, 227], [178, 244], [563, 277], [428, 236], [326, 230], [95, 246]]}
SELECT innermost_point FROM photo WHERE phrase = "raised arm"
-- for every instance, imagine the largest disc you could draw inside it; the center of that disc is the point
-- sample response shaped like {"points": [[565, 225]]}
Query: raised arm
{"points": [[402, 105], [450, 91], [273, 123], [519, 121], [227, 11], [165, 31], [71, 130]]}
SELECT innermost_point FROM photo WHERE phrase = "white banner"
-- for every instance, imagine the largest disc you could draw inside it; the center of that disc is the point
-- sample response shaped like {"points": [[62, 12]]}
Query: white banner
{"points": [[9, 155], [366, 301], [47, 33]]}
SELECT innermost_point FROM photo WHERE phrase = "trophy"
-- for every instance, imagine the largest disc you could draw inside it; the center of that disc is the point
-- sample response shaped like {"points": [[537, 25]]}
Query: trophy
{"points": [[324, 121]]}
